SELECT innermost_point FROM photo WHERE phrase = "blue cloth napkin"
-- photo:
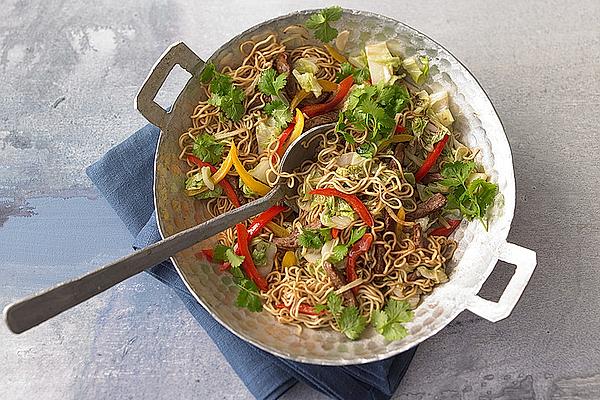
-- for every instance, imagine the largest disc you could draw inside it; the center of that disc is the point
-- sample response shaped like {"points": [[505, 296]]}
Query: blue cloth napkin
{"points": [[124, 176]]}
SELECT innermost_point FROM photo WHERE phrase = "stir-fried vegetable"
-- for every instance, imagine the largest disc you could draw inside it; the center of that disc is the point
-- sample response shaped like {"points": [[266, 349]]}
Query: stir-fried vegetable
{"points": [[381, 63], [248, 265], [446, 231], [224, 184], [354, 201], [318, 109], [431, 158]]}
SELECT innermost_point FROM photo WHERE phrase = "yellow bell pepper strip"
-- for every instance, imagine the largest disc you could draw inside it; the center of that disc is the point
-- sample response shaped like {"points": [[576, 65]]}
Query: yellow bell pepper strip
{"points": [[289, 259], [335, 54], [301, 95], [328, 86], [401, 216], [278, 230], [298, 127], [225, 167], [254, 185]]}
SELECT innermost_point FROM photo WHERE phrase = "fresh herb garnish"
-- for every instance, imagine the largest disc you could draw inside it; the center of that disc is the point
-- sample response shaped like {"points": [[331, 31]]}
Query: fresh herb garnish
{"points": [[224, 94], [473, 198], [249, 295], [338, 253], [207, 149], [320, 23], [341, 250], [359, 74], [388, 321], [373, 109], [279, 111], [270, 83], [311, 239], [348, 319]]}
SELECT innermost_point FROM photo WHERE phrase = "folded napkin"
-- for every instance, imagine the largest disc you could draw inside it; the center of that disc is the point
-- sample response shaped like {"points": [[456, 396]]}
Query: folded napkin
{"points": [[124, 176]]}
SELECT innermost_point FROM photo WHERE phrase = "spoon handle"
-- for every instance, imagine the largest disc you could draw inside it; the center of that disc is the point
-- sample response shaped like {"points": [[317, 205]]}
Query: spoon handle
{"points": [[31, 311]]}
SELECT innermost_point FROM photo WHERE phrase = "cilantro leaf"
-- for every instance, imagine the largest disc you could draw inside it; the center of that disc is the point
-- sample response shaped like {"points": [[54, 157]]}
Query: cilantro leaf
{"points": [[456, 173], [360, 74], [338, 253], [249, 295], [233, 258], [348, 319], [207, 149], [351, 323], [270, 84], [473, 199], [280, 112], [208, 72], [319, 22], [221, 84], [356, 234], [334, 303], [310, 239], [366, 150], [219, 252], [388, 321], [224, 94]]}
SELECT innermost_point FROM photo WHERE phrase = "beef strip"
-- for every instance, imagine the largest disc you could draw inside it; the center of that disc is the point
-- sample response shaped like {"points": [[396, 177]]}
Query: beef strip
{"points": [[432, 177], [235, 183], [433, 204], [417, 235], [399, 155], [291, 242], [281, 64], [338, 281], [327, 118], [380, 259]]}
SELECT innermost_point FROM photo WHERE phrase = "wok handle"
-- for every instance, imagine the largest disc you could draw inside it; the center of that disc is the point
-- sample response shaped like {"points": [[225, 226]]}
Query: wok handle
{"points": [[177, 54], [31, 311], [525, 261]]}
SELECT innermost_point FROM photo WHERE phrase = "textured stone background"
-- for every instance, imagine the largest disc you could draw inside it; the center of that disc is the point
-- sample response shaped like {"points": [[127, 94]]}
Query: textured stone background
{"points": [[68, 75]]}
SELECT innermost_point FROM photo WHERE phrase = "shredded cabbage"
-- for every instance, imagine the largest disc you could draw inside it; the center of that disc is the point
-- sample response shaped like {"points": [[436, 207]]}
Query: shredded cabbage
{"points": [[266, 132], [263, 256], [337, 214], [205, 172], [261, 170], [438, 275], [381, 63], [308, 82], [305, 65], [417, 68]]}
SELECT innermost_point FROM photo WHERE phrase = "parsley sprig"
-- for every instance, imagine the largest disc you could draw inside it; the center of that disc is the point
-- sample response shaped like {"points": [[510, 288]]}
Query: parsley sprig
{"points": [[471, 198], [348, 319], [249, 295], [271, 84], [388, 321], [359, 74], [224, 94], [320, 23], [207, 149], [372, 109]]}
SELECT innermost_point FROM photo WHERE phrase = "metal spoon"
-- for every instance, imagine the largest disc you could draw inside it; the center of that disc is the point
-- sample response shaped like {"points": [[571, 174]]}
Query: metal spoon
{"points": [[31, 311]]}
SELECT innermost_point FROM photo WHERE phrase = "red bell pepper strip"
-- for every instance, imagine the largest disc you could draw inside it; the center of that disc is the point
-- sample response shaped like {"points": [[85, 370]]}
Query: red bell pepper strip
{"points": [[335, 232], [282, 139], [360, 247], [302, 309], [354, 202], [263, 219], [227, 188], [318, 109], [255, 227], [431, 158], [443, 231], [248, 264], [400, 129]]}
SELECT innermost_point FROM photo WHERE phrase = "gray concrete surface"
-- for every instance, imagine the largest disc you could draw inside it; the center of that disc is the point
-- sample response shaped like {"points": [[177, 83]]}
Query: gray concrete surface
{"points": [[68, 75]]}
